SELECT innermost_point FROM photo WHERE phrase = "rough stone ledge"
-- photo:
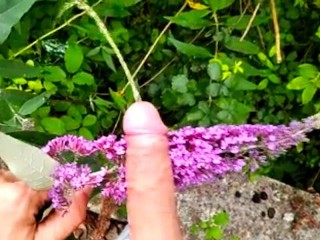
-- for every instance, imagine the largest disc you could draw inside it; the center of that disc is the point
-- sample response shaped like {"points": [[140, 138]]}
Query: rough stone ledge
{"points": [[297, 213]]}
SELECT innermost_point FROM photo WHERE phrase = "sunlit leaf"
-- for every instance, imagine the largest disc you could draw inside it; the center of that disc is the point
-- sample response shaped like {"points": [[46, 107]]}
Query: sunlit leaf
{"points": [[33, 104], [73, 57], [196, 5]]}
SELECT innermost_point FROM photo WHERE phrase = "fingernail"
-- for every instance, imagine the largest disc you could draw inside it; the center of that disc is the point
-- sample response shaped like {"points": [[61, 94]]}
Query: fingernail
{"points": [[143, 118]]}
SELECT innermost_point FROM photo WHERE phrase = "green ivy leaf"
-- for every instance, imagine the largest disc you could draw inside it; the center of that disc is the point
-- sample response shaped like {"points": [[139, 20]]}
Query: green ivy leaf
{"points": [[219, 4], [233, 43], [192, 19], [89, 120], [190, 49], [11, 11], [53, 125], [73, 57], [298, 83], [179, 83], [308, 93], [33, 104], [83, 78]]}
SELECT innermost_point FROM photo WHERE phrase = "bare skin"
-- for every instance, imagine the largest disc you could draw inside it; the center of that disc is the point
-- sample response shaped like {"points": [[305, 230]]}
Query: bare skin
{"points": [[151, 203]]}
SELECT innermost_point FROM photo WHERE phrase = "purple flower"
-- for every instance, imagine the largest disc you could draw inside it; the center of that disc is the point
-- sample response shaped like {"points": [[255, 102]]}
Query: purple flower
{"points": [[199, 155], [70, 178]]}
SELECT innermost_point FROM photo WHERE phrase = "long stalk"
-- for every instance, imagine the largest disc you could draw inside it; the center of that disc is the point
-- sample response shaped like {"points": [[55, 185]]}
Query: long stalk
{"points": [[105, 32]]}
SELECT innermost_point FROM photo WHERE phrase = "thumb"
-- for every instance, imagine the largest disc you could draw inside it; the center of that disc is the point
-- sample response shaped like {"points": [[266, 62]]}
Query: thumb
{"points": [[151, 205], [56, 226]]}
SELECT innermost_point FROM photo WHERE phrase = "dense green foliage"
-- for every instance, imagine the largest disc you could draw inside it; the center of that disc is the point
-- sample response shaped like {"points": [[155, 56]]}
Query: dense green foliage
{"points": [[215, 65]]}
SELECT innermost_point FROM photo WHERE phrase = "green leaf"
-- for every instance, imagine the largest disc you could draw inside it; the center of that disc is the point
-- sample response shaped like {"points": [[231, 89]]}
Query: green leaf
{"points": [[73, 57], [241, 22], [43, 111], [118, 99], [194, 115], [53, 74], [50, 87], [14, 69], [308, 93], [28, 163], [219, 4], [70, 123], [83, 78], [238, 83], [214, 71], [179, 83], [263, 84], [33, 104], [214, 233], [221, 218], [308, 70], [244, 46], [298, 83], [108, 60], [53, 125], [186, 99], [89, 120], [85, 132], [190, 49], [11, 11], [192, 19], [274, 78], [213, 89]]}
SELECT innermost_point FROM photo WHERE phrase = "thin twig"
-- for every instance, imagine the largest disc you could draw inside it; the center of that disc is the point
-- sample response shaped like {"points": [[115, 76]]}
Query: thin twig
{"points": [[254, 14], [153, 46], [216, 21], [105, 32], [276, 30], [169, 63], [66, 23]]}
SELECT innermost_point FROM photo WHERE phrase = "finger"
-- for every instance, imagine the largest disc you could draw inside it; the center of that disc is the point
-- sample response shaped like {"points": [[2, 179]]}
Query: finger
{"points": [[7, 176], [150, 189], [40, 198], [61, 226]]}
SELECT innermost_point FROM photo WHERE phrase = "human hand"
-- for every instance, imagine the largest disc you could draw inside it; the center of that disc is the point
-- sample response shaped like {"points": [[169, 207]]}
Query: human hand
{"points": [[151, 205], [19, 204]]}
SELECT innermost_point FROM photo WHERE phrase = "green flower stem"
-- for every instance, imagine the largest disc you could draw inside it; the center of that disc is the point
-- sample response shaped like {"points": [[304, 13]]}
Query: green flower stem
{"points": [[103, 29]]}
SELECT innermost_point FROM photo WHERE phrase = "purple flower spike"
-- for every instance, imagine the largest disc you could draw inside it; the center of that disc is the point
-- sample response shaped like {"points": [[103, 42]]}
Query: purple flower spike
{"points": [[199, 155], [70, 178]]}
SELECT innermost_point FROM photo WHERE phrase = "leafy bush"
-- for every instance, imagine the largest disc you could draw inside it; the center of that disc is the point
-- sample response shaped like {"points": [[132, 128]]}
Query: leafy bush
{"points": [[213, 62]]}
